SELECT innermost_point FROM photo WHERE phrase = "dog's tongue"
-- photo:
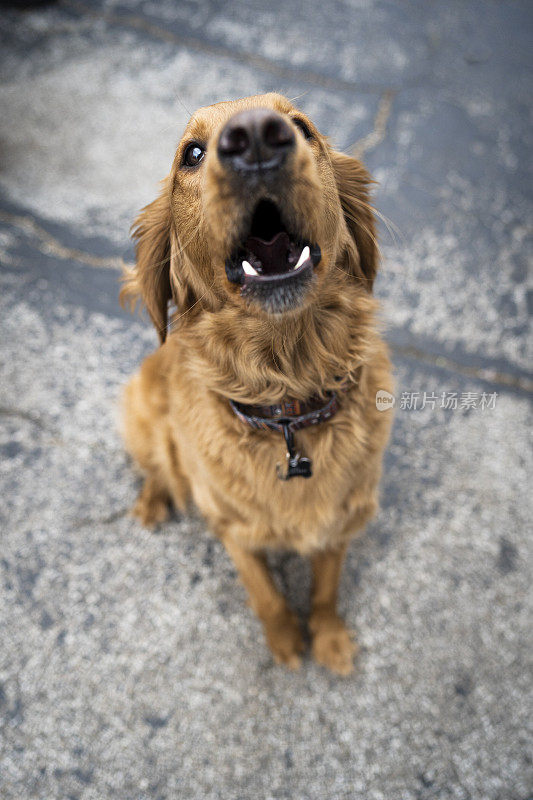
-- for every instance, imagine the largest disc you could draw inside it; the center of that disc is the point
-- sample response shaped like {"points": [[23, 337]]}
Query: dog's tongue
{"points": [[273, 255]]}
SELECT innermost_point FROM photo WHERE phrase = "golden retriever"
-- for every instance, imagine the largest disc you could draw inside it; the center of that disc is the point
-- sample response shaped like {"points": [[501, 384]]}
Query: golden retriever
{"points": [[256, 264]]}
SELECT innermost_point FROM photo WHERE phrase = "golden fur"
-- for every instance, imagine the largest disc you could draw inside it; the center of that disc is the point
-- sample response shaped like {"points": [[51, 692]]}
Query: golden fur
{"points": [[178, 424]]}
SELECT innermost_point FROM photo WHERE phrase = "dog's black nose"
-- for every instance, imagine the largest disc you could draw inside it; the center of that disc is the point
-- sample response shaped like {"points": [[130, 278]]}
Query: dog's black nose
{"points": [[253, 140]]}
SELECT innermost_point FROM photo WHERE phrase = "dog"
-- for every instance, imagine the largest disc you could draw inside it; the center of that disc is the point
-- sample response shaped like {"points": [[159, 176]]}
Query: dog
{"points": [[256, 264]]}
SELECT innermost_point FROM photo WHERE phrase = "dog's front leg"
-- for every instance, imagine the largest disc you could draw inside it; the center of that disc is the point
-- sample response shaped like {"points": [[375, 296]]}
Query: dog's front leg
{"points": [[282, 629], [332, 644]]}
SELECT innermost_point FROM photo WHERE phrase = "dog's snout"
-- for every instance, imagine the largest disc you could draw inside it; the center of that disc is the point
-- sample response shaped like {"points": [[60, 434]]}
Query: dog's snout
{"points": [[257, 139]]}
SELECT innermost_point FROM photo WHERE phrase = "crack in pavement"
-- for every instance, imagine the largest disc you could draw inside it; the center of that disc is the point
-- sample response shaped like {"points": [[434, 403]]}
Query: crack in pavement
{"points": [[57, 437], [49, 245], [107, 520], [379, 129], [262, 63], [29, 416], [486, 374]]}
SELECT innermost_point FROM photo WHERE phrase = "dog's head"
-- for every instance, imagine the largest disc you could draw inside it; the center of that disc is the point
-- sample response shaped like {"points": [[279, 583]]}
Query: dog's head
{"points": [[258, 211]]}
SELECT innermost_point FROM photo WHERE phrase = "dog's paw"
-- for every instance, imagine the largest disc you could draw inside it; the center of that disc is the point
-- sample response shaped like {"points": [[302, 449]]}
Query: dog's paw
{"points": [[333, 646], [152, 506], [284, 637]]}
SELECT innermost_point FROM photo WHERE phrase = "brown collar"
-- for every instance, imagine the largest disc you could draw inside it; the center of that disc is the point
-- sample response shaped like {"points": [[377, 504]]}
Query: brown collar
{"points": [[289, 416]]}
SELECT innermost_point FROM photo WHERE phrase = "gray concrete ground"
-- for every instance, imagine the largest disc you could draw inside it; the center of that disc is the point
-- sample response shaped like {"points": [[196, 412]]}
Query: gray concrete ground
{"points": [[130, 666]]}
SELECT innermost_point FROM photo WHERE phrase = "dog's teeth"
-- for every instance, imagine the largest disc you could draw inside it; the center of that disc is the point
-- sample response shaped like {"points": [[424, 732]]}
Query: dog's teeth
{"points": [[304, 255], [247, 267]]}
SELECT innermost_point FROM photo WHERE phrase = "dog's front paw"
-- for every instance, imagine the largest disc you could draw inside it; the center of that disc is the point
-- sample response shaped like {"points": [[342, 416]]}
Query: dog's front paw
{"points": [[152, 506], [284, 638], [333, 646]]}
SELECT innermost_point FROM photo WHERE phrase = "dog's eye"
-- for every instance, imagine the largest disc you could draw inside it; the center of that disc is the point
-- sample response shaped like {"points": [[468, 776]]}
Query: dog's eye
{"points": [[303, 127], [193, 154]]}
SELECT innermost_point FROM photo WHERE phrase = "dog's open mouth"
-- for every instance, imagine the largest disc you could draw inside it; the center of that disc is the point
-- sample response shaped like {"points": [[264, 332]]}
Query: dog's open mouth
{"points": [[271, 264]]}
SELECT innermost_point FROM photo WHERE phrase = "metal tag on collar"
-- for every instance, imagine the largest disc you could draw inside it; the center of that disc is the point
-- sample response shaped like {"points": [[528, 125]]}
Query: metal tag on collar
{"points": [[297, 465]]}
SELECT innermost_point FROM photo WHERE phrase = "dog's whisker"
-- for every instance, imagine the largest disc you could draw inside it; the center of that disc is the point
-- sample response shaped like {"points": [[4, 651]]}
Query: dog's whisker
{"points": [[182, 104], [175, 320], [183, 247], [389, 224], [298, 96], [364, 228]]}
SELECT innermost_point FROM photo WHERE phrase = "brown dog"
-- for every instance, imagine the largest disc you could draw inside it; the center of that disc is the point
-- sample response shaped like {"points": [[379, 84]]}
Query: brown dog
{"points": [[263, 238]]}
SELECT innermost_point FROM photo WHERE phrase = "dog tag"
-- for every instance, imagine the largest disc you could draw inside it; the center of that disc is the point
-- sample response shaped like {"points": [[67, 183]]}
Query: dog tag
{"points": [[297, 466]]}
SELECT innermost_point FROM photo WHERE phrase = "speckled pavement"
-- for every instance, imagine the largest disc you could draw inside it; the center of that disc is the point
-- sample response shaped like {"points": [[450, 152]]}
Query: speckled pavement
{"points": [[130, 665]]}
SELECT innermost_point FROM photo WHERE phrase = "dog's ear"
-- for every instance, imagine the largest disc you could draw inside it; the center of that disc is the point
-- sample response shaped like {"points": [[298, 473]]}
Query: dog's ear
{"points": [[149, 280], [353, 181]]}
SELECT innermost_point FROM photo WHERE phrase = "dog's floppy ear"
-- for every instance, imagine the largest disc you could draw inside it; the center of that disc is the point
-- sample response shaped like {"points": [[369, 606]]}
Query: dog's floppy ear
{"points": [[149, 280], [353, 181]]}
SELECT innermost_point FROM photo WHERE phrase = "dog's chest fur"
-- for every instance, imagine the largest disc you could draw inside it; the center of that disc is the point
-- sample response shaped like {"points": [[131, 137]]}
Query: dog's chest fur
{"points": [[231, 468]]}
